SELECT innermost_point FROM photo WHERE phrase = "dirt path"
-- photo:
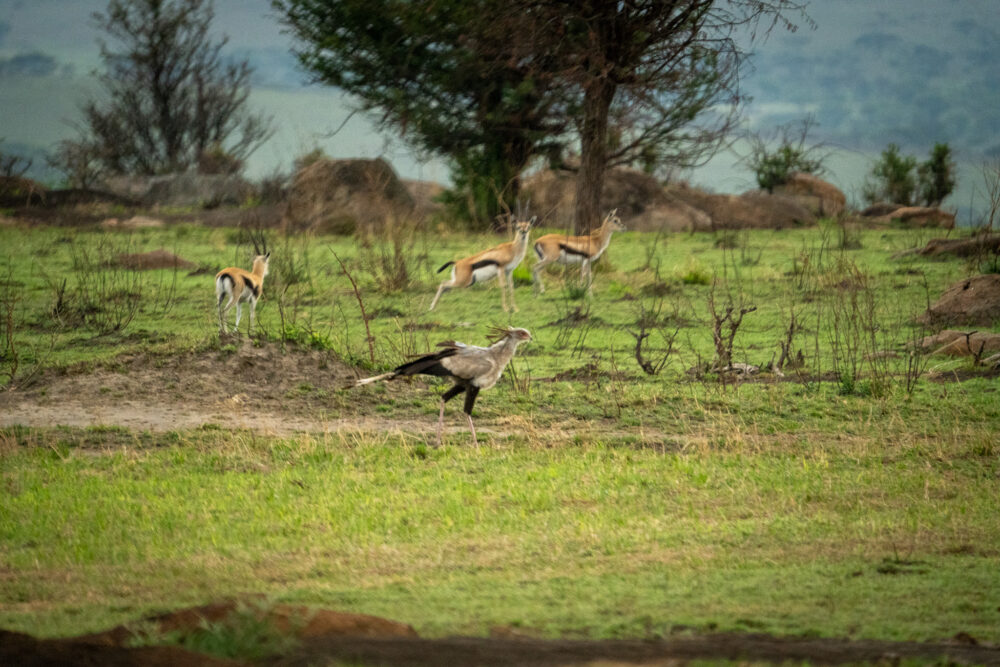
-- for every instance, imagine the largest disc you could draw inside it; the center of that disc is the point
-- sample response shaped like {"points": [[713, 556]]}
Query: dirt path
{"points": [[257, 388]]}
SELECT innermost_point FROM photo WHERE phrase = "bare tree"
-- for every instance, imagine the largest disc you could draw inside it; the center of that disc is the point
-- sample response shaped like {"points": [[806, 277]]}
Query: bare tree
{"points": [[169, 96]]}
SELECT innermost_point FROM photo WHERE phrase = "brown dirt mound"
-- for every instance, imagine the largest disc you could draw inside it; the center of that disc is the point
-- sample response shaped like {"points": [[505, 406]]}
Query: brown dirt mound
{"points": [[290, 620], [155, 259], [974, 302], [338, 196]]}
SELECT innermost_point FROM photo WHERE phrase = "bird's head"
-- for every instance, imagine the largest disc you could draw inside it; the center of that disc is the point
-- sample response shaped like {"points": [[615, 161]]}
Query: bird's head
{"points": [[516, 334]]}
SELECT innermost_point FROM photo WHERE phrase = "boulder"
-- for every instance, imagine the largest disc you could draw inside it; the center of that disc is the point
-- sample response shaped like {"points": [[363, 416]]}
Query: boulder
{"points": [[338, 196], [980, 245], [919, 216], [973, 302], [642, 202], [823, 199], [425, 194], [186, 189], [751, 210], [879, 209], [961, 343]]}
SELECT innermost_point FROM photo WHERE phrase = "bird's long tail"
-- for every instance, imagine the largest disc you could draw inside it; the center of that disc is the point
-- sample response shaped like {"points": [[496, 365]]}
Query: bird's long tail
{"points": [[375, 378]]}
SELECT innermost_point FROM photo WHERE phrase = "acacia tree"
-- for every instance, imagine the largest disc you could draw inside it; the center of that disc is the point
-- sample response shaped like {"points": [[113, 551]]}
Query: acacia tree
{"points": [[650, 76], [496, 82], [434, 72], [170, 97]]}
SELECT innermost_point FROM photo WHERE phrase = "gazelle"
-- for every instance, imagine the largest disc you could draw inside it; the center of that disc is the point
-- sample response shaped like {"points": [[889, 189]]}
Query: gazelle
{"points": [[240, 285], [582, 250], [499, 261]]}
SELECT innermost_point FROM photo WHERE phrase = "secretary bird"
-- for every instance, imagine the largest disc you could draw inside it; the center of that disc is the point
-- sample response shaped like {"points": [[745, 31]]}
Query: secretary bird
{"points": [[471, 367]]}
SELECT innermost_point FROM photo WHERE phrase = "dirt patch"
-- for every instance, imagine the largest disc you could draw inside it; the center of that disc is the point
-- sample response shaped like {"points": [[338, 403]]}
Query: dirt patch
{"points": [[154, 259], [18, 649], [242, 386]]}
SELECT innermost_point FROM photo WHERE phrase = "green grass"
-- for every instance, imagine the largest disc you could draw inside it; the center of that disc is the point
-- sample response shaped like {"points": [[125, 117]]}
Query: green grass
{"points": [[594, 539], [605, 502]]}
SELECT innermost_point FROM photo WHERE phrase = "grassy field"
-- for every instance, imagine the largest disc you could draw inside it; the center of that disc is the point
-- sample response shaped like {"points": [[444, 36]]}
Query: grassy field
{"points": [[852, 495]]}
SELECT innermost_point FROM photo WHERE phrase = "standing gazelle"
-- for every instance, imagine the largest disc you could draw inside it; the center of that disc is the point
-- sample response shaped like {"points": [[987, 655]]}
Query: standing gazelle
{"points": [[499, 261], [582, 250], [240, 285]]}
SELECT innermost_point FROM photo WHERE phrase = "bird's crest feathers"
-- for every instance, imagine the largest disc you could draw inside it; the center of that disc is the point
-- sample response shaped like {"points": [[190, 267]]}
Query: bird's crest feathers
{"points": [[497, 334]]}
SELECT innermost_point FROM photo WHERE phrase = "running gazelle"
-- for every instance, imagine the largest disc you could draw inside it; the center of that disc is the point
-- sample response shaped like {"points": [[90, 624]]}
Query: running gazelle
{"points": [[582, 250], [499, 261], [241, 285]]}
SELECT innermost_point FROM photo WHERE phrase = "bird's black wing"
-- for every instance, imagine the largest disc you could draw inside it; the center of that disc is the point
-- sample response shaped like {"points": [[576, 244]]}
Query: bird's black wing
{"points": [[429, 364]]}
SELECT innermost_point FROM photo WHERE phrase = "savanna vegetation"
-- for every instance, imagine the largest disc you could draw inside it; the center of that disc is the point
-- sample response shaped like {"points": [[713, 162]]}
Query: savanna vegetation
{"points": [[636, 478]]}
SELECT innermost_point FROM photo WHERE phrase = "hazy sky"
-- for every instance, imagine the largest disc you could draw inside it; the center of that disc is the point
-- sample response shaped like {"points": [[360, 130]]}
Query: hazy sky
{"points": [[914, 72]]}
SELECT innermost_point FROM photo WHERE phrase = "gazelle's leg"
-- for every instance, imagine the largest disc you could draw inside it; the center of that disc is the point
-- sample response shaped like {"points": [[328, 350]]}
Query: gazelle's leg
{"points": [[536, 275], [223, 310], [239, 313], [501, 280], [442, 288], [510, 285], [253, 313]]}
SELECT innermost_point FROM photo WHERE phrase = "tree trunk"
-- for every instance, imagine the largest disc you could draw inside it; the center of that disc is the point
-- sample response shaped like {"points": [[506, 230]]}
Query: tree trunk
{"points": [[593, 155]]}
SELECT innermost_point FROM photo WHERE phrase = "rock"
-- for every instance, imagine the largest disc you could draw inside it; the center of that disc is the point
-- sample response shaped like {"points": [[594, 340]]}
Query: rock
{"points": [[424, 194], [751, 210], [879, 209], [980, 245], [338, 196], [823, 199], [185, 189], [973, 302], [960, 343], [919, 216], [642, 202]]}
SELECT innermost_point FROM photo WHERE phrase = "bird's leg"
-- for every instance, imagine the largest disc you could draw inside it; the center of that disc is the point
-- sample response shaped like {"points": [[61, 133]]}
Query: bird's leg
{"points": [[472, 428], [470, 400], [440, 422]]}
